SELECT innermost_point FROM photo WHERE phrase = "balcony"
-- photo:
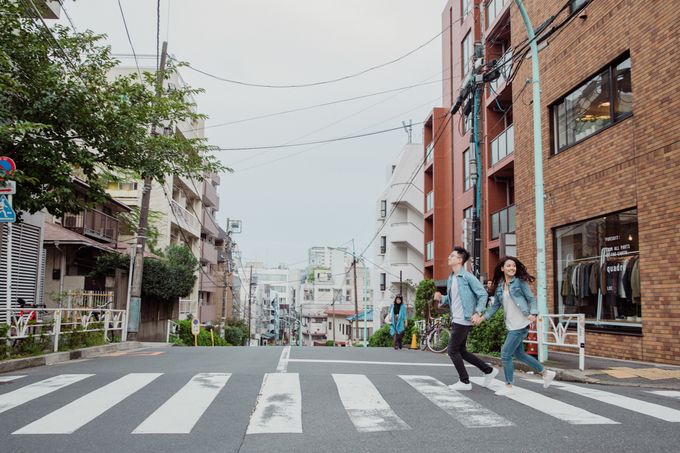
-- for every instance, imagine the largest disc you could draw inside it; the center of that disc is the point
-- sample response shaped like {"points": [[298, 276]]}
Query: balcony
{"points": [[429, 154], [208, 253], [185, 220], [494, 8], [191, 186], [505, 64], [215, 177], [429, 251], [429, 201], [503, 145], [210, 197], [94, 224], [503, 221], [209, 224], [406, 233]]}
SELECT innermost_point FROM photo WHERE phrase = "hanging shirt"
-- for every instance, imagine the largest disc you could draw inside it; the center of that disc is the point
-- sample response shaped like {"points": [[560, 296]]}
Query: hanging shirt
{"points": [[457, 315], [514, 318]]}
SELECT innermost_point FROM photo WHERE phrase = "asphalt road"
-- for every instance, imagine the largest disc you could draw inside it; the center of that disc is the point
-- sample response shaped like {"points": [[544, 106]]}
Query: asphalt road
{"points": [[314, 400]]}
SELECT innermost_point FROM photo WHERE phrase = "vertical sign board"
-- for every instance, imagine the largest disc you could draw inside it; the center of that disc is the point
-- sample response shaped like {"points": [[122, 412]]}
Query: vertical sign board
{"points": [[195, 329], [7, 188]]}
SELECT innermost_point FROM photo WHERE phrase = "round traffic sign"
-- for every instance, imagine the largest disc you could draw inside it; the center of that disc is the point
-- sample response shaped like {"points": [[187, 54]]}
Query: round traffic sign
{"points": [[7, 166]]}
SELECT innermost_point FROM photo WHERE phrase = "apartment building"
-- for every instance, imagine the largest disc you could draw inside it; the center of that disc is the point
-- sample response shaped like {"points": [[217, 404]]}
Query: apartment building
{"points": [[399, 246]]}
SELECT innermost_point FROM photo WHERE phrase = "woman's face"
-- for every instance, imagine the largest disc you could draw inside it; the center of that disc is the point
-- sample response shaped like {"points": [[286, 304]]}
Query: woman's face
{"points": [[397, 301], [509, 268]]}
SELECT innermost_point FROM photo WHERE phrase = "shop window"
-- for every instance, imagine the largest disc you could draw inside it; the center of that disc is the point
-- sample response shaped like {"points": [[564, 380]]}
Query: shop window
{"points": [[601, 101], [598, 270]]}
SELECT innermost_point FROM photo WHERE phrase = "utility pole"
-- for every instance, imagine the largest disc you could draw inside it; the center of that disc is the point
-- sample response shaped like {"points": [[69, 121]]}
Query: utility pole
{"points": [[475, 174], [227, 275], [134, 313], [250, 300], [333, 323], [356, 298]]}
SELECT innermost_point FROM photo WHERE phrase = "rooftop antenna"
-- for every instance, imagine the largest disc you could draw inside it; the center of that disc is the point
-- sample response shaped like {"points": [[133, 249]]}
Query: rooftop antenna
{"points": [[409, 130]]}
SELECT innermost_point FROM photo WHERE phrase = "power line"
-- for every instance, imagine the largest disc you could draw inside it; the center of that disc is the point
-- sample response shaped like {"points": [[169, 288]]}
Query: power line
{"points": [[337, 139], [325, 104], [127, 32], [158, 33], [324, 82]]}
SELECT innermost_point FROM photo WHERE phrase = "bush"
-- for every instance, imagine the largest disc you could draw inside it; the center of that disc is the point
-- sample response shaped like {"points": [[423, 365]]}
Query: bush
{"points": [[382, 338], [186, 337], [235, 335], [424, 294], [329, 342], [488, 337]]}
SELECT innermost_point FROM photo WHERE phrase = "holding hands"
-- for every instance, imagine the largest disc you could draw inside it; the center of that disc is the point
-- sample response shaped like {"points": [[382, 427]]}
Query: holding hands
{"points": [[477, 319]]}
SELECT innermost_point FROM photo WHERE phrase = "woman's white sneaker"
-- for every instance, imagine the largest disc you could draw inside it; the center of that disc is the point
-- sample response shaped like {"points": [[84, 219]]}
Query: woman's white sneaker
{"points": [[548, 377]]}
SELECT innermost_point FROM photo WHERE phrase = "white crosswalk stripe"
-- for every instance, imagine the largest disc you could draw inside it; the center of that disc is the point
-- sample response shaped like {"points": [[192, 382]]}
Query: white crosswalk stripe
{"points": [[550, 406], [365, 405], [669, 393], [624, 402], [74, 415], [32, 391], [191, 401], [10, 378], [279, 405], [468, 412]]}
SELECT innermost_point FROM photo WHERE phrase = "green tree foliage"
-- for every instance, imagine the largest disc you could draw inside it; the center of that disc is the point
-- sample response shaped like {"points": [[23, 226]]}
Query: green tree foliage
{"points": [[424, 294], [62, 114], [204, 339], [172, 276], [107, 263], [488, 337], [130, 223], [381, 338]]}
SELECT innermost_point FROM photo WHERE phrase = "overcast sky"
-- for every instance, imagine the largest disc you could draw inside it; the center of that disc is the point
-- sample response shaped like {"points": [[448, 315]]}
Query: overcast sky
{"points": [[295, 198]]}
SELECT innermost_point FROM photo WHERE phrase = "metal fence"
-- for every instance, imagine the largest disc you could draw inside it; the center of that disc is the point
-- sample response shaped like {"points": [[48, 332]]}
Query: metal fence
{"points": [[567, 331]]}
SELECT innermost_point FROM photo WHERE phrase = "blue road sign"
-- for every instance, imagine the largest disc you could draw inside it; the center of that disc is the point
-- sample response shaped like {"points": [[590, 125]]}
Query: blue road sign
{"points": [[7, 214]]}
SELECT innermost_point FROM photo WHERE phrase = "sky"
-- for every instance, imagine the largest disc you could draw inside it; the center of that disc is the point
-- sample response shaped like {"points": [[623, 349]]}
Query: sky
{"points": [[291, 199]]}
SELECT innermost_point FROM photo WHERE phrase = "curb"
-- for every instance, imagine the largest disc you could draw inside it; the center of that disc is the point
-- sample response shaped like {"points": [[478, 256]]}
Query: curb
{"points": [[580, 376], [59, 357]]}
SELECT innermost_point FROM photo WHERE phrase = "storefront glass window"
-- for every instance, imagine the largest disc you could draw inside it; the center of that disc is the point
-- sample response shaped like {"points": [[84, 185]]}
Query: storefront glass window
{"points": [[598, 270]]}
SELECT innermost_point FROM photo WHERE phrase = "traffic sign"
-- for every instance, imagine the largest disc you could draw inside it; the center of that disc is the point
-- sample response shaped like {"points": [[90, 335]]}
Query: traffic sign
{"points": [[7, 214], [8, 187], [195, 326], [7, 166]]}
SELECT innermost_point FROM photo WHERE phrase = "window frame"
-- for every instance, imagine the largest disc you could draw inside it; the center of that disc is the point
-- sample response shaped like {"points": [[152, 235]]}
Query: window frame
{"points": [[467, 174], [466, 68], [555, 147]]}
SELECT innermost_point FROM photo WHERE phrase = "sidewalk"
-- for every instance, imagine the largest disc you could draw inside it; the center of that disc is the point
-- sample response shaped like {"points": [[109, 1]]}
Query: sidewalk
{"points": [[601, 370]]}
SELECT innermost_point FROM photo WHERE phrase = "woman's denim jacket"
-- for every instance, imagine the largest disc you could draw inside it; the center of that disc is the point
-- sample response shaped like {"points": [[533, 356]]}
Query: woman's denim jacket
{"points": [[521, 295]]}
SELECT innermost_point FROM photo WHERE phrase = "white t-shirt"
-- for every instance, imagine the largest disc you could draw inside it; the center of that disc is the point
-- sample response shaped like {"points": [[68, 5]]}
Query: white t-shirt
{"points": [[457, 315], [514, 318]]}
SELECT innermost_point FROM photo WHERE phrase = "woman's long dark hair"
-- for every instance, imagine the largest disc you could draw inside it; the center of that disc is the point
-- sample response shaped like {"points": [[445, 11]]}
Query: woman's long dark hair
{"points": [[521, 273], [395, 300]]}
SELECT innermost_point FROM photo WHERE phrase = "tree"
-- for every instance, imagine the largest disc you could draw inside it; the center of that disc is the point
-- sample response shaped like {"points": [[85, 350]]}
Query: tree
{"points": [[424, 294], [61, 114], [172, 276]]}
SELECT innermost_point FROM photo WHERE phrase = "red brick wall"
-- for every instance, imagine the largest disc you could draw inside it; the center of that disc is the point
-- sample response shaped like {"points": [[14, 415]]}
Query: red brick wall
{"points": [[635, 163]]}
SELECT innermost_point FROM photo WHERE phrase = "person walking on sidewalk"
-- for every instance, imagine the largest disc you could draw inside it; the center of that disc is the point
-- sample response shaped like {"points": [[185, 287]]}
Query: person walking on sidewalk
{"points": [[398, 321], [511, 280], [466, 297]]}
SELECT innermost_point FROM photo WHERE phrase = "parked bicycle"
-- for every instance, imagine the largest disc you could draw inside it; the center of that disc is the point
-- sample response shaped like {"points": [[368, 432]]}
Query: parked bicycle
{"points": [[435, 336]]}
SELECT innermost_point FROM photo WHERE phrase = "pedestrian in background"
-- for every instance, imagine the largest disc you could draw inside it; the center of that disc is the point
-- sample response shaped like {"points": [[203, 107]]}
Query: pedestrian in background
{"points": [[490, 291], [398, 321], [511, 280], [467, 298]]}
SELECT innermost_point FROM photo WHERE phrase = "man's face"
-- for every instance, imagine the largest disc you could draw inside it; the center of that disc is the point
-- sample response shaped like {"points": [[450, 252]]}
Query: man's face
{"points": [[455, 259]]}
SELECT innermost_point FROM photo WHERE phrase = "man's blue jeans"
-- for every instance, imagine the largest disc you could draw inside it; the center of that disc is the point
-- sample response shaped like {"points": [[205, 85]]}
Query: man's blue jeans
{"points": [[513, 346]]}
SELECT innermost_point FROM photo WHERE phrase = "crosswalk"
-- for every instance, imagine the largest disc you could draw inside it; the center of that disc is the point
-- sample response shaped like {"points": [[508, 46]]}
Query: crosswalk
{"points": [[279, 409]]}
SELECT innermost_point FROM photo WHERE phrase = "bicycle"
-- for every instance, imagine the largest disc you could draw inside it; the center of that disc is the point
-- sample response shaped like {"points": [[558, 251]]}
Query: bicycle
{"points": [[435, 337]]}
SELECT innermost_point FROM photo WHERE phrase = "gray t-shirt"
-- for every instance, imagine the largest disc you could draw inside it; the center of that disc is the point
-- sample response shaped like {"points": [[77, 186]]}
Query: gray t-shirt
{"points": [[514, 318], [457, 315]]}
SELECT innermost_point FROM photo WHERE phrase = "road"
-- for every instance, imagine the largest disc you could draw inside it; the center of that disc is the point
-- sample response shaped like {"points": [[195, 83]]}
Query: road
{"points": [[314, 399]]}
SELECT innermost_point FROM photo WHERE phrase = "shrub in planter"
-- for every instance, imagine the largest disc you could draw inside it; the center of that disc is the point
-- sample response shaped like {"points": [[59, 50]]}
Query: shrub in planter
{"points": [[488, 337]]}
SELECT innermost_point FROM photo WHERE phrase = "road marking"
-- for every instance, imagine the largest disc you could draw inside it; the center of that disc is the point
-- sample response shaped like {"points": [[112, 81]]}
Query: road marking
{"points": [[38, 389], [365, 405], [181, 412], [468, 412], [74, 415], [562, 411], [283, 361], [135, 353], [668, 393], [624, 402], [368, 362], [279, 405], [10, 378]]}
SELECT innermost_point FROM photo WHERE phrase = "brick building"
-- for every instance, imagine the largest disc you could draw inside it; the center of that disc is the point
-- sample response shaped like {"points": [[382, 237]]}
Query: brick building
{"points": [[611, 159]]}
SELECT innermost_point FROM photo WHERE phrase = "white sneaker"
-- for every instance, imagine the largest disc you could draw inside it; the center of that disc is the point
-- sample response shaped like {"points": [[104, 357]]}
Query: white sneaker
{"points": [[505, 391], [489, 377], [460, 386], [548, 377]]}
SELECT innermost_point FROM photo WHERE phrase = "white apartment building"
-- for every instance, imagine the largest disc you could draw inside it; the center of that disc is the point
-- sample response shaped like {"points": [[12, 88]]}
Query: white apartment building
{"points": [[399, 245]]}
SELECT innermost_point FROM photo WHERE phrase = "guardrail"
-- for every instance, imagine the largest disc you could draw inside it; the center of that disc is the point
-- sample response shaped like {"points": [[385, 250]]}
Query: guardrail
{"points": [[57, 322], [560, 332]]}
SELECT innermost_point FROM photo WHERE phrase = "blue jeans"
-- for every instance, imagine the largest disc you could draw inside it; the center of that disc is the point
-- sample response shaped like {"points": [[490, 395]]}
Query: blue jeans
{"points": [[513, 346]]}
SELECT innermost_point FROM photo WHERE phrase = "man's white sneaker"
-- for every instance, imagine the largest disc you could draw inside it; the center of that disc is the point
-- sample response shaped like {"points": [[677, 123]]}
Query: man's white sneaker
{"points": [[505, 391], [489, 377], [548, 377], [460, 386]]}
